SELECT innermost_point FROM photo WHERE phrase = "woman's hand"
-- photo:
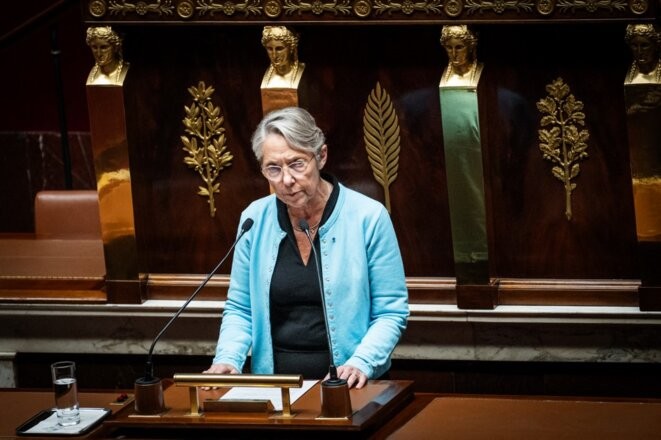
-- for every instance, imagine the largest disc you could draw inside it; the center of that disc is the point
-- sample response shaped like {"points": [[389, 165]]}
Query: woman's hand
{"points": [[219, 369], [353, 376]]}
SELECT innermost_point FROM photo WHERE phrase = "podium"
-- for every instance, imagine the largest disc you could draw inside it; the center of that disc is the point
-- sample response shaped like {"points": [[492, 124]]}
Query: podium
{"points": [[373, 406]]}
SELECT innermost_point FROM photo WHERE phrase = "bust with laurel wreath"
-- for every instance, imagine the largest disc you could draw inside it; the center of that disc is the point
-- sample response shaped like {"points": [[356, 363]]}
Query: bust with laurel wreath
{"points": [[644, 40], [460, 44], [110, 67], [285, 70]]}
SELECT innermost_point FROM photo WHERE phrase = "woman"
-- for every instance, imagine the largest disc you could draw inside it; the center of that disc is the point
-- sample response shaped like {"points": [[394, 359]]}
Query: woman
{"points": [[281, 46], [106, 48], [274, 303], [460, 44]]}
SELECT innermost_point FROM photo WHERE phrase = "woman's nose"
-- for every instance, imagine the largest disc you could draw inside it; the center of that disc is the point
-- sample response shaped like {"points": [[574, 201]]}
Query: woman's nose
{"points": [[287, 178]]}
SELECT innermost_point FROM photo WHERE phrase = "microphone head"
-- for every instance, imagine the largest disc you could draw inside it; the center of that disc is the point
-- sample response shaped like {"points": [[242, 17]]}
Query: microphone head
{"points": [[303, 224], [247, 224]]}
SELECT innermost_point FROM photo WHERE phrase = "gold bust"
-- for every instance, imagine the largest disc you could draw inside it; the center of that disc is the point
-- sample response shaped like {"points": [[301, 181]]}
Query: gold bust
{"points": [[463, 70], [281, 46], [644, 40], [106, 46]]}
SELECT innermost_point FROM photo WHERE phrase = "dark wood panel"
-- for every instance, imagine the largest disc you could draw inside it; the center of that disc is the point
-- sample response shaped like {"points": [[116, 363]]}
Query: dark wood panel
{"points": [[532, 237], [441, 291], [568, 292], [173, 226], [529, 234]]}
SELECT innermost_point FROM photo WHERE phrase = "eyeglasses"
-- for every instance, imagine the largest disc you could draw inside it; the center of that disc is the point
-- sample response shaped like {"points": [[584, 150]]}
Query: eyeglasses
{"points": [[296, 169]]}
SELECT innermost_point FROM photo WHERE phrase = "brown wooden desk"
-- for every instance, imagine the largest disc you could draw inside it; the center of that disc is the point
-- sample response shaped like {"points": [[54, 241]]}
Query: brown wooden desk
{"points": [[17, 406], [513, 418]]}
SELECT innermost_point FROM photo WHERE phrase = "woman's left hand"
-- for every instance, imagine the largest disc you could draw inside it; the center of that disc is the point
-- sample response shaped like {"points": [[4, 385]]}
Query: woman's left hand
{"points": [[353, 376]]}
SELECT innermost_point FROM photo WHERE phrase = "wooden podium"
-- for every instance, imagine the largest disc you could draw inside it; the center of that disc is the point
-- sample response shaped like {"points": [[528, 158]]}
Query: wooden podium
{"points": [[372, 405]]}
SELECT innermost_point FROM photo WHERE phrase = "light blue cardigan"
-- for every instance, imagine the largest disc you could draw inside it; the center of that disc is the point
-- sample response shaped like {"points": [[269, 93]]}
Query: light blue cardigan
{"points": [[363, 277]]}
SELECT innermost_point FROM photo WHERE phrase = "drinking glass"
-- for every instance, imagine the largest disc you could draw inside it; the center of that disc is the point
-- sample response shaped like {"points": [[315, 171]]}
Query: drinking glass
{"points": [[66, 393]]}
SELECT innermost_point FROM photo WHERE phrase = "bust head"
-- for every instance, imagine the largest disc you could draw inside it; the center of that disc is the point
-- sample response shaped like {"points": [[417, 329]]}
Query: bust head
{"points": [[644, 40], [281, 46], [106, 47], [460, 43]]}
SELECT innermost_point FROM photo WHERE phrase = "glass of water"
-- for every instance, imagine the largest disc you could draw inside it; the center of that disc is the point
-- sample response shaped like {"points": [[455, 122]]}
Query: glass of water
{"points": [[66, 393]]}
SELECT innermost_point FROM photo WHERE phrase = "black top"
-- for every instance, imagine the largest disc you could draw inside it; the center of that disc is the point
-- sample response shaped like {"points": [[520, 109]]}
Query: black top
{"points": [[298, 329]]}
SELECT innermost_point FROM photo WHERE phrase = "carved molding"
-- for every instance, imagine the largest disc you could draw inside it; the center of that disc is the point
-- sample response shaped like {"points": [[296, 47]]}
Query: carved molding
{"points": [[246, 11]]}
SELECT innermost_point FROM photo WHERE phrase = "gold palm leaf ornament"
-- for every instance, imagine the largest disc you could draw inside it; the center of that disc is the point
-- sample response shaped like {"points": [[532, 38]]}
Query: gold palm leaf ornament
{"points": [[382, 141], [564, 144], [206, 146]]}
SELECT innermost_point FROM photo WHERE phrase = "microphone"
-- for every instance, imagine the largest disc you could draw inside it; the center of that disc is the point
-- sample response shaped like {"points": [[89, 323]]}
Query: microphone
{"points": [[335, 400], [148, 398]]}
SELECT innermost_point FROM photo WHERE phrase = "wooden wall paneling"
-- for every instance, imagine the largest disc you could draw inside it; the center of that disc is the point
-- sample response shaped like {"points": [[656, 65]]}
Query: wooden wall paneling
{"points": [[174, 229], [533, 238], [530, 236]]}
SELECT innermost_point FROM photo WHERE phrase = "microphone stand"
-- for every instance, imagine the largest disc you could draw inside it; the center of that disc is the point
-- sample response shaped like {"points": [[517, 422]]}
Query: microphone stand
{"points": [[335, 399], [149, 389]]}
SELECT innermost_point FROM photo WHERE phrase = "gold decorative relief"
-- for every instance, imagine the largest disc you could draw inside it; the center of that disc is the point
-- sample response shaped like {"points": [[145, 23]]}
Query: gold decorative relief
{"points": [[382, 142], [272, 8], [318, 7], [545, 7], [185, 9], [97, 8], [229, 8], [564, 144], [408, 7], [591, 5], [498, 6], [362, 8], [142, 7], [453, 8], [203, 122], [638, 6]]}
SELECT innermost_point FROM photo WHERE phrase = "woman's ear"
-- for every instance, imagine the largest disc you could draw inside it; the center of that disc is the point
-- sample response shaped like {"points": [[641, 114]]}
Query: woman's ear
{"points": [[323, 155]]}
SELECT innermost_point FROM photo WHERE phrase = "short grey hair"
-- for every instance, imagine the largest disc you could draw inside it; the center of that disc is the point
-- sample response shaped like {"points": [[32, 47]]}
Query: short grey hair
{"points": [[296, 125]]}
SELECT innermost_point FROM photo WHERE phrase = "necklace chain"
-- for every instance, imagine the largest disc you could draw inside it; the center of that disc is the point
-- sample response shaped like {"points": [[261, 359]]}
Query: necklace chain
{"points": [[313, 228]]}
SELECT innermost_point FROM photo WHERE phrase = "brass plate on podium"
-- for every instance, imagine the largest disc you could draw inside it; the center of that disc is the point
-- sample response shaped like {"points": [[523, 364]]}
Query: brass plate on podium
{"points": [[238, 405]]}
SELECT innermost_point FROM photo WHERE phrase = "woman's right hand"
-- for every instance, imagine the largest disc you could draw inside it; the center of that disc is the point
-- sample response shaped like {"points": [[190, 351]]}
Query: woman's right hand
{"points": [[219, 369]]}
